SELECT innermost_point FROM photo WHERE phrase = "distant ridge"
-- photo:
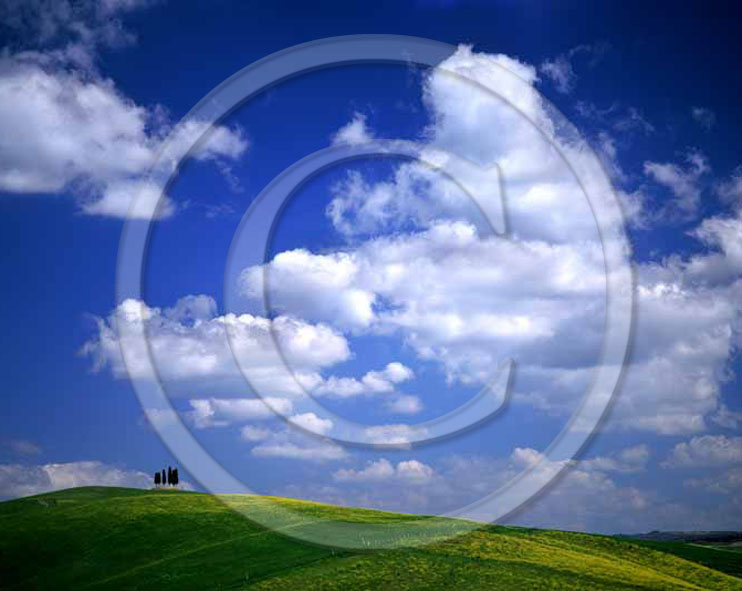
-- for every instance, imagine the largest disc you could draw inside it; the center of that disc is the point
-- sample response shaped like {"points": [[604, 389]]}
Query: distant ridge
{"points": [[688, 536]]}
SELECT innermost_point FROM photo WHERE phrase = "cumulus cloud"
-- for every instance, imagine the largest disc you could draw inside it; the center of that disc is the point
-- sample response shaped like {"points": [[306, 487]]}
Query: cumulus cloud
{"points": [[373, 382], [454, 296], [18, 480], [398, 435], [682, 181], [382, 470], [293, 444], [354, 132], [511, 127], [727, 483], [221, 412], [724, 417], [189, 344], [587, 496], [189, 341], [705, 451], [687, 329], [466, 299], [313, 286], [159, 418], [628, 460], [311, 422], [683, 342], [405, 404], [69, 129]]}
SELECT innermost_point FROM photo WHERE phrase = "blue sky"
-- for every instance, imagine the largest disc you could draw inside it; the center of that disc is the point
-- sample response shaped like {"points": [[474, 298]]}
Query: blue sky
{"points": [[88, 95]]}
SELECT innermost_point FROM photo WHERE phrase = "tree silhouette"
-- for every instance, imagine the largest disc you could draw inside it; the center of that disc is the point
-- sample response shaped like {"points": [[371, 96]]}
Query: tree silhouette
{"points": [[171, 477]]}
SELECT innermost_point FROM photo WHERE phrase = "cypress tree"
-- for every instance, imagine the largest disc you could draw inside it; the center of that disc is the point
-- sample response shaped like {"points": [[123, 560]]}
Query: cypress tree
{"points": [[169, 475], [157, 478], [175, 476], [163, 476]]}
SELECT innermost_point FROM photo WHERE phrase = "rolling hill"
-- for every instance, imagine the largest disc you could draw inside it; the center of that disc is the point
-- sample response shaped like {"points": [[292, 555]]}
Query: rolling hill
{"points": [[113, 538]]}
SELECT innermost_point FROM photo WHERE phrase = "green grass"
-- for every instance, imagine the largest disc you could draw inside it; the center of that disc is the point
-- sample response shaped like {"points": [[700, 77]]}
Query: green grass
{"points": [[110, 538], [720, 557]]}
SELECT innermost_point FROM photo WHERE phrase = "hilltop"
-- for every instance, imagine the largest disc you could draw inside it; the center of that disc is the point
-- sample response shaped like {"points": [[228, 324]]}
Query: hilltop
{"points": [[114, 538]]}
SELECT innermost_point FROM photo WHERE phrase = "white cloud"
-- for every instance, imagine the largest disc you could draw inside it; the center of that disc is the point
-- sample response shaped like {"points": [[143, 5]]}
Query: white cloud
{"points": [[130, 198], [221, 412], [414, 471], [394, 434], [189, 344], [311, 422], [730, 189], [68, 129], [290, 442], [587, 499], [159, 418], [584, 497], [560, 71], [329, 281], [465, 299], [408, 471], [683, 182], [628, 460], [687, 329], [189, 341], [705, 451], [252, 434], [588, 495], [377, 470], [373, 382], [726, 418], [20, 480], [405, 405], [683, 341], [724, 266], [354, 132], [727, 483]]}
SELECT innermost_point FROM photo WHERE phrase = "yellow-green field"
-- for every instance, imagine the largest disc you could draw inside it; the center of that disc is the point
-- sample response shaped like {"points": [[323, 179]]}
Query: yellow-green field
{"points": [[112, 538]]}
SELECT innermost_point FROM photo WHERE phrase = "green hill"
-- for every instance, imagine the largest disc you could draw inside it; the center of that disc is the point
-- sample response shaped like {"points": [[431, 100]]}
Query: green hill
{"points": [[112, 538]]}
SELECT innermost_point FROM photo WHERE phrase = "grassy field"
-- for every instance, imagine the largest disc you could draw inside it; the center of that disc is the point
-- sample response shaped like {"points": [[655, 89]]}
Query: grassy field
{"points": [[109, 538], [723, 558]]}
